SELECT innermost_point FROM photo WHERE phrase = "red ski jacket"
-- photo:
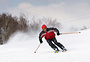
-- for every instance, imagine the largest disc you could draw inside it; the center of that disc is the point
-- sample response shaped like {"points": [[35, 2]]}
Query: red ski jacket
{"points": [[49, 34]]}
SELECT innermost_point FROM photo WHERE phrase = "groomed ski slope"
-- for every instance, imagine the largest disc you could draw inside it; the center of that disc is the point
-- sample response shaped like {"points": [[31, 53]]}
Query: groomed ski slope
{"points": [[21, 47]]}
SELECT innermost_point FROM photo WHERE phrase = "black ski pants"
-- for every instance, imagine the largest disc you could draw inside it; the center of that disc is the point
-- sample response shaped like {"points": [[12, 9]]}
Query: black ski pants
{"points": [[53, 42]]}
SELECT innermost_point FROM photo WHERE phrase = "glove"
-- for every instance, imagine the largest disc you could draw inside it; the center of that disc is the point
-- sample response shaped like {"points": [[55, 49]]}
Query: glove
{"points": [[41, 41], [58, 34]]}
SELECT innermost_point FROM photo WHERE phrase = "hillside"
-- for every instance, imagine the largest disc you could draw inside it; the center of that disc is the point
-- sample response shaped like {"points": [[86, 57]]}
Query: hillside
{"points": [[21, 47]]}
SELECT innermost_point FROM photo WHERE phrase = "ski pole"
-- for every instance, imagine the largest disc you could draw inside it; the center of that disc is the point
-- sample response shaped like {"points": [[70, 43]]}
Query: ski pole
{"points": [[37, 48], [71, 33]]}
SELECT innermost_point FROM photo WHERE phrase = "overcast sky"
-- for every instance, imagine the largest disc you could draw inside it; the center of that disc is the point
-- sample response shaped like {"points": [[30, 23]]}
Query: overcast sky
{"points": [[76, 11]]}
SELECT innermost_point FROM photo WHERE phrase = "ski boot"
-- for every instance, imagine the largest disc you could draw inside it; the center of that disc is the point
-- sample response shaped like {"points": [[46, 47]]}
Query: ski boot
{"points": [[57, 50], [64, 50]]}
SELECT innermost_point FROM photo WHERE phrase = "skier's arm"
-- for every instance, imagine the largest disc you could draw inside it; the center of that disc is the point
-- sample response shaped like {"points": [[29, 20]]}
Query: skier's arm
{"points": [[40, 38], [56, 30]]}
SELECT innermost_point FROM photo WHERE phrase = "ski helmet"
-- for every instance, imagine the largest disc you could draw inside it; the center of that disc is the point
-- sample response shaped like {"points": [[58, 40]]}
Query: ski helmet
{"points": [[43, 26]]}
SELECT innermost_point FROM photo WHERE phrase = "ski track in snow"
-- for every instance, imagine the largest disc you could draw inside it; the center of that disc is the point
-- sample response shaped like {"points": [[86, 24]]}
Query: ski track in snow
{"points": [[21, 47]]}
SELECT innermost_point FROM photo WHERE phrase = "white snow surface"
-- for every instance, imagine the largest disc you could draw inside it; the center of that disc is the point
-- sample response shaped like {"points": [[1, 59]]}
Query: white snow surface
{"points": [[21, 47]]}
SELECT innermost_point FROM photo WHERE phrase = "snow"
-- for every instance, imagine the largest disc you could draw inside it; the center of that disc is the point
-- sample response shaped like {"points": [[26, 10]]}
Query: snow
{"points": [[21, 47]]}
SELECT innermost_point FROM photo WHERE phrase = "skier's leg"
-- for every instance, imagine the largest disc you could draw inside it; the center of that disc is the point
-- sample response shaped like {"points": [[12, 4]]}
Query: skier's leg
{"points": [[52, 45], [57, 43]]}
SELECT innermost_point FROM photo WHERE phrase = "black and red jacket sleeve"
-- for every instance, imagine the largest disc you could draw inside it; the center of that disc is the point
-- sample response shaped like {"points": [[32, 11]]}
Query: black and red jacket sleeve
{"points": [[55, 29], [41, 36]]}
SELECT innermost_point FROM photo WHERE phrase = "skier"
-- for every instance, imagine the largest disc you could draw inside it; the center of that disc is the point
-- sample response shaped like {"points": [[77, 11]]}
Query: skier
{"points": [[49, 35]]}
